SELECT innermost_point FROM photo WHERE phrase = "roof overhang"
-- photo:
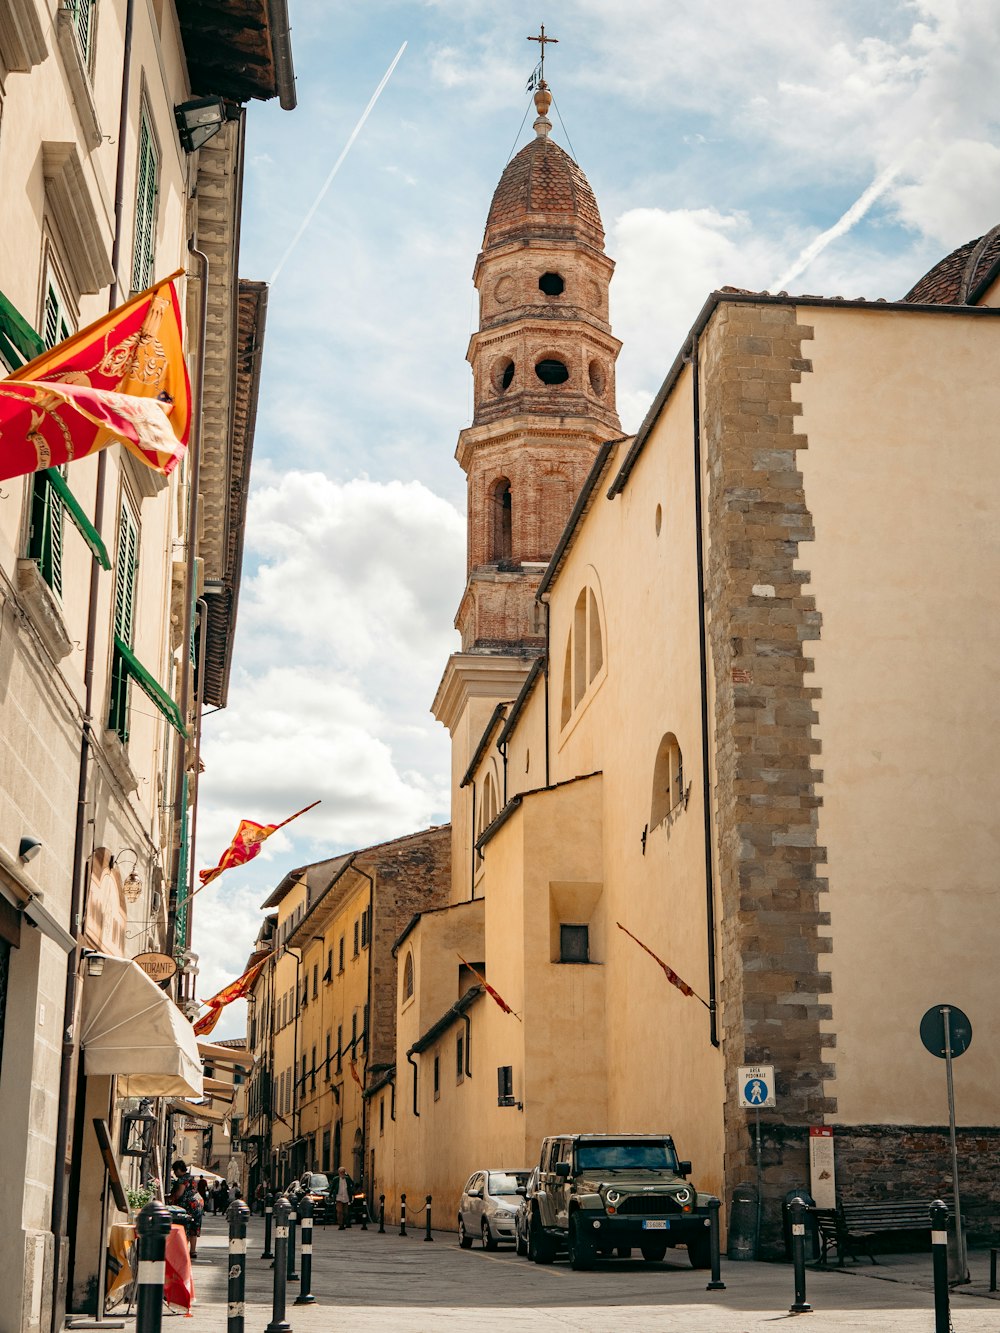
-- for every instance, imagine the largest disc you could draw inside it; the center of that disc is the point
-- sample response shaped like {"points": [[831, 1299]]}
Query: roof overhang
{"points": [[239, 49]]}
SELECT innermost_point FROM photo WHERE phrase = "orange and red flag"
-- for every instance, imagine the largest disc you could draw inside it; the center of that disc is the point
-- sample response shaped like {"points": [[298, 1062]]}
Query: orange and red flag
{"points": [[236, 990], [246, 845], [356, 1076], [668, 971], [120, 380], [494, 995]]}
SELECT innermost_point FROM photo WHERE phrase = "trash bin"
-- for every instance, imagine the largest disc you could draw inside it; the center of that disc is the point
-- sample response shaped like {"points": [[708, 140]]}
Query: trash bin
{"points": [[743, 1223], [812, 1249]]}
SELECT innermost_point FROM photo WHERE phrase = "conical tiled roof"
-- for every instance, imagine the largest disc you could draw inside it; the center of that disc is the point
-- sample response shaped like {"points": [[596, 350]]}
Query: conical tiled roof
{"points": [[543, 191], [961, 277]]}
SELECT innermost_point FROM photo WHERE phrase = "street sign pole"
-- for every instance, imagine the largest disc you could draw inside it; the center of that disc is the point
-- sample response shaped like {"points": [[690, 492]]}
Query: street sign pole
{"points": [[760, 1175], [963, 1266]]}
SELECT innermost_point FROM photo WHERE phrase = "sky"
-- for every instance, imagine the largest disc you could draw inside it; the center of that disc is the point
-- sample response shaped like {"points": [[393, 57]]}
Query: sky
{"points": [[831, 147]]}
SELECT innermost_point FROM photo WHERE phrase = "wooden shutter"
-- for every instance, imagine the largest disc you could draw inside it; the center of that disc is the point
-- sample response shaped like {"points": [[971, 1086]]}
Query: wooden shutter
{"points": [[145, 206], [125, 575]]}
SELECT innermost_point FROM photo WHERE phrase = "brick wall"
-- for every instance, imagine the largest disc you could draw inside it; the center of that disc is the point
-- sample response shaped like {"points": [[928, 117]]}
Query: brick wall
{"points": [[774, 992]]}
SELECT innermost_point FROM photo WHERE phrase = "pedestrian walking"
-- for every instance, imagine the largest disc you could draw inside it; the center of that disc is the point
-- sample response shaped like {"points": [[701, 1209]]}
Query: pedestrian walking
{"points": [[184, 1193], [345, 1192], [202, 1188]]}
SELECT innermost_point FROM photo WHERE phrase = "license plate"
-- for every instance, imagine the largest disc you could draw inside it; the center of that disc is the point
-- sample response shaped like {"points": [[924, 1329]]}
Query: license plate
{"points": [[654, 1224]]}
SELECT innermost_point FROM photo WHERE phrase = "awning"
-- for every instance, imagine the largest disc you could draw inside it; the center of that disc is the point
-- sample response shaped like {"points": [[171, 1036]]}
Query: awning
{"points": [[224, 1055], [151, 687], [210, 1114], [133, 1029]]}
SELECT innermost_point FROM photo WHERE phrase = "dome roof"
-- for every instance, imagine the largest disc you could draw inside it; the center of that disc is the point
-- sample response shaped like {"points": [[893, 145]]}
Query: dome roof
{"points": [[544, 192], [961, 277]]}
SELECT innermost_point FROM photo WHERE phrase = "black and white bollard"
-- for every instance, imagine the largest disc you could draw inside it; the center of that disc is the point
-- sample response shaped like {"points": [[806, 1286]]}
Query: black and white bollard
{"points": [[153, 1227], [364, 1212], [238, 1214], [713, 1205], [279, 1324], [293, 1217], [305, 1296], [268, 1221], [939, 1249], [427, 1233], [402, 1214], [798, 1211], [381, 1214]]}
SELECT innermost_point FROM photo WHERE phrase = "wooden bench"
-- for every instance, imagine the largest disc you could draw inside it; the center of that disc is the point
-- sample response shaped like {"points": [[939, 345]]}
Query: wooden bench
{"points": [[852, 1226]]}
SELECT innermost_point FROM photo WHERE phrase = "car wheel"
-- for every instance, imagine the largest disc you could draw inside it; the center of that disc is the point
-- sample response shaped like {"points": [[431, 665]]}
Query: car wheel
{"points": [[581, 1251], [700, 1249], [624, 1251], [490, 1241], [540, 1247], [653, 1251], [464, 1239], [520, 1242]]}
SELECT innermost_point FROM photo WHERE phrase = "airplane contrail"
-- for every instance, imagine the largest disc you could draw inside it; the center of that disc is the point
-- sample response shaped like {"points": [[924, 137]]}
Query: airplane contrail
{"points": [[843, 225], [337, 165]]}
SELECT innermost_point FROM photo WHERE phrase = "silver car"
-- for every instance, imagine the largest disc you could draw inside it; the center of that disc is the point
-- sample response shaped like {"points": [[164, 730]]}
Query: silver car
{"points": [[488, 1207], [522, 1218]]}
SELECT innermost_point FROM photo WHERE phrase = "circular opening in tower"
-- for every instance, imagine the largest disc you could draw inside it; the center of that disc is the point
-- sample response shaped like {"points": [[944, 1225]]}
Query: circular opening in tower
{"points": [[551, 371], [551, 284], [503, 374], [598, 379]]}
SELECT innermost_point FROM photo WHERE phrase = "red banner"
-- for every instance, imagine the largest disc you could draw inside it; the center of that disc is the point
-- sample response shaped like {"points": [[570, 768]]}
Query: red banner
{"points": [[246, 844], [236, 990]]}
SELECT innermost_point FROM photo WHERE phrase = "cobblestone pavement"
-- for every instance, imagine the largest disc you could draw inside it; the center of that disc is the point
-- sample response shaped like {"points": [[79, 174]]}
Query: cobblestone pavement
{"points": [[363, 1281]]}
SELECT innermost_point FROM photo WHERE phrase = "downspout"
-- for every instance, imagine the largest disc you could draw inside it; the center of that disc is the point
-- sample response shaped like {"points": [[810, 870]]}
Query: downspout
{"points": [[413, 1065], [472, 867], [706, 778], [194, 485], [202, 647], [468, 1043], [545, 671], [370, 1024], [77, 887]]}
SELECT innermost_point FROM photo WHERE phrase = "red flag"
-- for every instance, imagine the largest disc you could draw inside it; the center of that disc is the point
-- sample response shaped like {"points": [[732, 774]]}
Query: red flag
{"points": [[121, 379], [245, 846], [355, 1075], [236, 990], [490, 991], [668, 971]]}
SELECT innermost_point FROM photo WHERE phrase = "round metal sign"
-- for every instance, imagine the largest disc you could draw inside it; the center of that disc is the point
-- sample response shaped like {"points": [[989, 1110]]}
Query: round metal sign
{"points": [[932, 1032], [159, 966]]}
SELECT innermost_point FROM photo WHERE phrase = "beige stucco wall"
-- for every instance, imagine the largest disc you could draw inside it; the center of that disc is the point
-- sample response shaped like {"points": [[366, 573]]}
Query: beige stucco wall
{"points": [[901, 479]]}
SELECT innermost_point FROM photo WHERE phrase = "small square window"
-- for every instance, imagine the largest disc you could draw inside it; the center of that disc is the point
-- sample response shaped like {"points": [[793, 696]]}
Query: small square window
{"points": [[574, 944]]}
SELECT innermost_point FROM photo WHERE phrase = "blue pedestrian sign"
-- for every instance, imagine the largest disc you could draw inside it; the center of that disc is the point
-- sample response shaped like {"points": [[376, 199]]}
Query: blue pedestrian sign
{"points": [[756, 1087]]}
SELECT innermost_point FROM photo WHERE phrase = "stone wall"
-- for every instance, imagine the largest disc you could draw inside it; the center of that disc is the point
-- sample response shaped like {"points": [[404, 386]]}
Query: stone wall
{"points": [[774, 991]]}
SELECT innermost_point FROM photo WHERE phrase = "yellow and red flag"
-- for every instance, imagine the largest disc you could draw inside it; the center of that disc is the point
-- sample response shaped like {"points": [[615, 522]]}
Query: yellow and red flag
{"points": [[236, 990], [120, 380], [355, 1075], [246, 845], [494, 995], [668, 971]]}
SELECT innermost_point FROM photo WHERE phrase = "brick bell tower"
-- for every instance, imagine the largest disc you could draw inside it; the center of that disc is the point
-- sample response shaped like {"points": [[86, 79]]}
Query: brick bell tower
{"points": [[543, 365]]}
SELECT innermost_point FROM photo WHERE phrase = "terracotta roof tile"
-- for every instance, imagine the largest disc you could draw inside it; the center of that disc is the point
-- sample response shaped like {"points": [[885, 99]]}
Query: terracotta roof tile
{"points": [[543, 185], [973, 266]]}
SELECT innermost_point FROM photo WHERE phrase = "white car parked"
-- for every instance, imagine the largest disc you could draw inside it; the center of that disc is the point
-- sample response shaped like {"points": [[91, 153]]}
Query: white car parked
{"points": [[488, 1207]]}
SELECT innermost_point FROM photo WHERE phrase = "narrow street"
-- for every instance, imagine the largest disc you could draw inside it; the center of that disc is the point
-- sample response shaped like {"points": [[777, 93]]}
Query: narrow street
{"points": [[362, 1280]]}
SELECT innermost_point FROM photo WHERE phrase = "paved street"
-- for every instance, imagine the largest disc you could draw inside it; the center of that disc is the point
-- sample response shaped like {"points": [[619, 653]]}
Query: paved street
{"points": [[364, 1281]]}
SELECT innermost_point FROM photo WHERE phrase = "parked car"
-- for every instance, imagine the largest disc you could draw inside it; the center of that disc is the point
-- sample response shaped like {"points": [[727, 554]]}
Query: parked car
{"points": [[488, 1206], [317, 1186], [522, 1218]]}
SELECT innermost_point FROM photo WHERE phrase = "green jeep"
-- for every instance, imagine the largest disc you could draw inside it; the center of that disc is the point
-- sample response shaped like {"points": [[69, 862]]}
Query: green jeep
{"points": [[602, 1194]]}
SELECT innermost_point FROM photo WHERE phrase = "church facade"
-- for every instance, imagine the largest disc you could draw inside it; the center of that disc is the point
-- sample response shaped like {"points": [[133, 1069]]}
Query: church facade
{"points": [[720, 693]]}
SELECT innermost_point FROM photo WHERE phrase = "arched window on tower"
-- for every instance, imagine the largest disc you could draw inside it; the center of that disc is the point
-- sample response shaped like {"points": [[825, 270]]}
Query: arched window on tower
{"points": [[502, 547], [669, 791], [408, 977], [584, 666]]}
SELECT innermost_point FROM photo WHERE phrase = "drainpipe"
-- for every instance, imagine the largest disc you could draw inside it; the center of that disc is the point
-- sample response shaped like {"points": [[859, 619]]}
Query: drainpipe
{"points": [[545, 672], [413, 1065], [192, 836], [472, 867], [468, 1043], [78, 892], [706, 779], [194, 485]]}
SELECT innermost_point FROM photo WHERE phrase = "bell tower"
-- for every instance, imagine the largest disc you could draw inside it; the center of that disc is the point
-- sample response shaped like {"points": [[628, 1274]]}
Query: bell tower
{"points": [[543, 366]]}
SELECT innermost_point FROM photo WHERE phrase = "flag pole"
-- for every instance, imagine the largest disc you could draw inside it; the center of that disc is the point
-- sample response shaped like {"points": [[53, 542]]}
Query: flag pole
{"points": [[303, 811]]}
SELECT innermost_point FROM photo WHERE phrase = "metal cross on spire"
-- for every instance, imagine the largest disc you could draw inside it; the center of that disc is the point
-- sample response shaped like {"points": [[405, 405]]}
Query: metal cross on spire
{"points": [[541, 39]]}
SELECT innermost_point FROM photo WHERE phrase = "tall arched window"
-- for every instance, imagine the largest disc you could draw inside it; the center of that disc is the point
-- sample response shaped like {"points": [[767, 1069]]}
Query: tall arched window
{"points": [[408, 977], [584, 652], [503, 544], [668, 780]]}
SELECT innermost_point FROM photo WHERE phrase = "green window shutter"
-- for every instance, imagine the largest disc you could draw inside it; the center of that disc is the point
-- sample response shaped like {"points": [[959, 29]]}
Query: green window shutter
{"points": [[83, 11], [145, 207], [51, 330], [126, 567], [18, 340], [45, 540]]}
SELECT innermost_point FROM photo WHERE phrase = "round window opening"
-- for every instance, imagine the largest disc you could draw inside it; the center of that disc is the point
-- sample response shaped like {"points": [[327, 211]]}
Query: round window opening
{"points": [[659, 519], [503, 374], [598, 380], [551, 284], [552, 372]]}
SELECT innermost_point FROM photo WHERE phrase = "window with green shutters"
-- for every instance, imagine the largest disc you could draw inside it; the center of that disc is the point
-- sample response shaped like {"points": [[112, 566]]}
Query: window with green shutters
{"points": [[83, 21], [145, 205], [126, 569], [45, 541]]}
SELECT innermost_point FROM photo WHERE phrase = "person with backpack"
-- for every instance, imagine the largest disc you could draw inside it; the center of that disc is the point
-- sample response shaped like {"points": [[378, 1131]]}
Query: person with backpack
{"points": [[184, 1193]]}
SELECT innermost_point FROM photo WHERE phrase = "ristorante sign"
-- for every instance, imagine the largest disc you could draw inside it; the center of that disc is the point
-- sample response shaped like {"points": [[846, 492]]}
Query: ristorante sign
{"points": [[158, 966]]}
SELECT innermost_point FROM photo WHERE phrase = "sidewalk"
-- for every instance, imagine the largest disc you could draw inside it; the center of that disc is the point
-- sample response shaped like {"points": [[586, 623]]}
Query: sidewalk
{"points": [[366, 1282]]}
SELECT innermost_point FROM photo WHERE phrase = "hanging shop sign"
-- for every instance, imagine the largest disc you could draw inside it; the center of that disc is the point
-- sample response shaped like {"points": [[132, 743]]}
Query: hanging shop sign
{"points": [[159, 966]]}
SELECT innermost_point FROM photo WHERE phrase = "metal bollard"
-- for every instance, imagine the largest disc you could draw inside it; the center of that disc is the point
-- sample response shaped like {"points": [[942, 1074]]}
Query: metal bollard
{"points": [[402, 1214], [713, 1205], [305, 1296], [238, 1214], [381, 1214], [798, 1211], [939, 1249], [279, 1324], [364, 1213], [153, 1227], [427, 1233], [293, 1217], [268, 1217]]}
